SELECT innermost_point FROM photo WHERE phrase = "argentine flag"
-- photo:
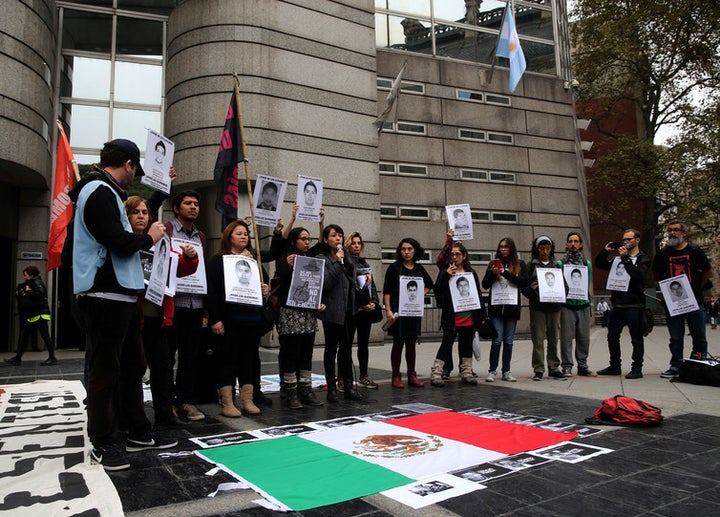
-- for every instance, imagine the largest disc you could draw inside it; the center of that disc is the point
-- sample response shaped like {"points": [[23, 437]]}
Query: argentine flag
{"points": [[509, 47]]}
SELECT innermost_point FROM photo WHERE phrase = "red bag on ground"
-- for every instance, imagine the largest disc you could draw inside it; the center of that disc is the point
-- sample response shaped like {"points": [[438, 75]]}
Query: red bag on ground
{"points": [[626, 411]]}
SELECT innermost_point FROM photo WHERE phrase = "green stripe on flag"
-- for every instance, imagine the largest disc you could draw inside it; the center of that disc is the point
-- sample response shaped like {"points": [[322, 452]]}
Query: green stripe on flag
{"points": [[302, 474]]}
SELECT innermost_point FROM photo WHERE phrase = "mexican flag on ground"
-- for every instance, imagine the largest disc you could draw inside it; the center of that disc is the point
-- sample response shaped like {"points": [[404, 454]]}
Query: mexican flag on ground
{"points": [[339, 464]]}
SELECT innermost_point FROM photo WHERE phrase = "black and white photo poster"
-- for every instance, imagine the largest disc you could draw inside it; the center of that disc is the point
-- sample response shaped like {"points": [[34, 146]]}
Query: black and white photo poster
{"points": [[242, 280], [159, 153], [551, 287], [460, 220], [307, 283], [503, 292], [576, 278], [464, 293], [268, 199], [412, 296], [197, 282], [158, 280], [618, 278], [678, 295], [309, 198]]}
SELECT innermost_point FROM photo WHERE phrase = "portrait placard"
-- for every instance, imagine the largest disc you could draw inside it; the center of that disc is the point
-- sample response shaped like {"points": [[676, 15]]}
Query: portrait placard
{"points": [[576, 278], [159, 154], [411, 301], [307, 283], [242, 280], [551, 287], [503, 292], [464, 293], [268, 199], [309, 198], [678, 295], [618, 278], [460, 220], [197, 282]]}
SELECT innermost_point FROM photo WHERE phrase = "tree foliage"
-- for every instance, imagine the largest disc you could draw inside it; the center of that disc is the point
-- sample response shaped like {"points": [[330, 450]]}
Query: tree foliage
{"points": [[662, 58]]}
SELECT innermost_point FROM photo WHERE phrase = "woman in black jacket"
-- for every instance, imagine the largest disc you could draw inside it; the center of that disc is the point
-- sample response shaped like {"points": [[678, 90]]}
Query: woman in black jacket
{"points": [[34, 306]]}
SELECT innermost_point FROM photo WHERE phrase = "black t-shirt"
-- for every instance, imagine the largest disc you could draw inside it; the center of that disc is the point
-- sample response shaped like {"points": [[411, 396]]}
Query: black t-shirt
{"points": [[690, 261]]}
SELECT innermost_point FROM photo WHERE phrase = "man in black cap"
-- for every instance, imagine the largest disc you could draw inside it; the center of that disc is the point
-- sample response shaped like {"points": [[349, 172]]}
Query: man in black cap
{"points": [[107, 279]]}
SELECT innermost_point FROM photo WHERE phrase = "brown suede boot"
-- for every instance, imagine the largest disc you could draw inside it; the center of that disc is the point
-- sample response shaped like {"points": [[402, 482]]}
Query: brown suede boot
{"points": [[246, 396], [226, 402]]}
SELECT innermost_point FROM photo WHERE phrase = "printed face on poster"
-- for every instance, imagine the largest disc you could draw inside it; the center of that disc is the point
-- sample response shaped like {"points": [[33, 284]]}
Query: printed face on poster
{"points": [[576, 278], [551, 287], [242, 280], [678, 295], [309, 198], [412, 296], [460, 221], [307, 283], [160, 272], [618, 278], [197, 282], [268, 199], [159, 154], [503, 292], [464, 293]]}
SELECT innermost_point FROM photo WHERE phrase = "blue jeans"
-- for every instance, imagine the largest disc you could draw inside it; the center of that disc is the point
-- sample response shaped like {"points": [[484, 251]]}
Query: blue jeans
{"points": [[506, 331], [676, 328]]}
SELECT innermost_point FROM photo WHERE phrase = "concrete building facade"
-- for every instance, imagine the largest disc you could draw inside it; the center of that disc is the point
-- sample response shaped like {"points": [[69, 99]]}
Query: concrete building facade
{"points": [[313, 76]]}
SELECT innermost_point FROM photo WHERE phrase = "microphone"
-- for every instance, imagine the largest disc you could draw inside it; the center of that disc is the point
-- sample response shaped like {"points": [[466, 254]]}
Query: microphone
{"points": [[339, 247]]}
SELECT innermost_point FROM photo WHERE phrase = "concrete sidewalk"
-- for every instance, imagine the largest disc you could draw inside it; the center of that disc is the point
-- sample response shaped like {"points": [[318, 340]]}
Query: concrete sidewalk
{"points": [[672, 397]]}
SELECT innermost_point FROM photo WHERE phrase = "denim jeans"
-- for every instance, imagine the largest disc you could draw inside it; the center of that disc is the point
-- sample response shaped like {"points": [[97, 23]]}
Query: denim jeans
{"points": [[676, 328], [506, 332]]}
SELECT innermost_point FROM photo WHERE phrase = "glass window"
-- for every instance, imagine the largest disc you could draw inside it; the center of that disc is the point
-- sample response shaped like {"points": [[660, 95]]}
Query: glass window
{"points": [[387, 168], [467, 95], [138, 83], [472, 12], [86, 159], [90, 78], [499, 138], [88, 126], [133, 125], [482, 257], [504, 217], [416, 170], [407, 127], [77, 36], [388, 211], [137, 37], [414, 213], [502, 177], [469, 174], [481, 217], [469, 134], [416, 7], [403, 33], [502, 100]]}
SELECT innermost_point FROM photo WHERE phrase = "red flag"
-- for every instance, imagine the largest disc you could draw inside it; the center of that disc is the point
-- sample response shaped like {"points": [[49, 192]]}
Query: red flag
{"points": [[226, 165], [61, 209]]}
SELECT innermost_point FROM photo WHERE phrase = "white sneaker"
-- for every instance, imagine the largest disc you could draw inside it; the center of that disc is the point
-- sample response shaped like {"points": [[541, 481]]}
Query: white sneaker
{"points": [[490, 377], [507, 376]]}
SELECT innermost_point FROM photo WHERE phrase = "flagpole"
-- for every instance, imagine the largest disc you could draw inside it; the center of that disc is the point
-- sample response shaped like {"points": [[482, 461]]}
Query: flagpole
{"points": [[497, 41], [246, 166]]}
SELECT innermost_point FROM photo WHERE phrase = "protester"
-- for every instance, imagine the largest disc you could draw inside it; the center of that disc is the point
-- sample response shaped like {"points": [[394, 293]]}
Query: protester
{"points": [[367, 303], [405, 330], [456, 323], [239, 326], [504, 278]]}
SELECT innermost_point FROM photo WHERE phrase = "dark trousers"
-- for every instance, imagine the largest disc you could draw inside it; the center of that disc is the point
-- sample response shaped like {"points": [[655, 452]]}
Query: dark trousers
{"points": [[160, 361], [465, 338], [116, 366], [362, 324], [337, 344], [238, 355], [184, 338], [296, 351], [28, 330], [619, 317]]}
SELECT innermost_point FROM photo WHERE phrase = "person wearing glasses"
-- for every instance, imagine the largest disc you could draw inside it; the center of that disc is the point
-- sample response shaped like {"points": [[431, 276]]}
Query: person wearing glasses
{"points": [[679, 257], [627, 306]]}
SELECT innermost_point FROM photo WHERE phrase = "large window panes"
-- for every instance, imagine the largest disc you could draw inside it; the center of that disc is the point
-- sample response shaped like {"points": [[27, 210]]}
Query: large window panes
{"points": [[89, 126], [87, 31], [416, 7], [138, 83], [403, 33], [133, 125], [141, 38], [471, 12], [90, 78]]}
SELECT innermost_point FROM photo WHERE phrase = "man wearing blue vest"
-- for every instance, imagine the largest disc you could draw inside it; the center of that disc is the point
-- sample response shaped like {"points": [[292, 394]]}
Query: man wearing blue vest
{"points": [[107, 279]]}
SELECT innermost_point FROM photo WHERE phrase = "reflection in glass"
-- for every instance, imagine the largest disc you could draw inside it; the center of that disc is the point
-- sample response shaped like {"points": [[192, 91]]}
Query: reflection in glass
{"points": [[76, 35], [89, 126], [139, 37], [403, 33], [133, 125], [139, 83], [472, 12], [87, 159], [90, 78], [416, 7]]}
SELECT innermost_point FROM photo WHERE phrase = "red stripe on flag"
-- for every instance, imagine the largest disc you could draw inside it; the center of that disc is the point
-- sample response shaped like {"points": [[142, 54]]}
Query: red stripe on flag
{"points": [[61, 209], [495, 435]]}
